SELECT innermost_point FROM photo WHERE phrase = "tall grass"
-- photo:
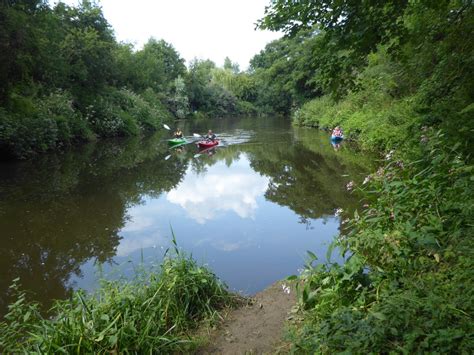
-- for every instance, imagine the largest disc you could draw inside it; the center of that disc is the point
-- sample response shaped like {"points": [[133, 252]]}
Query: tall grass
{"points": [[154, 313]]}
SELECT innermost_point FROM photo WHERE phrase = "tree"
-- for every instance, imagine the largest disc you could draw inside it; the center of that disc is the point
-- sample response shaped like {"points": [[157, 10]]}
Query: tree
{"points": [[233, 67], [159, 65], [352, 29]]}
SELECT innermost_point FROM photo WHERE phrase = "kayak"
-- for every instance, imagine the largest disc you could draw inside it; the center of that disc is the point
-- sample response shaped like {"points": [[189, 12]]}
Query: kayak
{"points": [[176, 141], [207, 144], [337, 138]]}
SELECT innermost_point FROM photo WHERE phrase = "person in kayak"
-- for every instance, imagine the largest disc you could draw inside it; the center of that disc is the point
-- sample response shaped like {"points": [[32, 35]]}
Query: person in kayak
{"points": [[337, 132], [178, 133], [210, 137]]}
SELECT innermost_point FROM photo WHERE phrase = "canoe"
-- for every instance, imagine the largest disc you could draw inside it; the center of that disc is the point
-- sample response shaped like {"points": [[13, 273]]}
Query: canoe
{"points": [[176, 141], [337, 138], [207, 144]]}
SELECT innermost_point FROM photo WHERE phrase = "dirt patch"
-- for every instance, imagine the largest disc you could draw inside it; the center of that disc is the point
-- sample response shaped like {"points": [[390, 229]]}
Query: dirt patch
{"points": [[256, 328]]}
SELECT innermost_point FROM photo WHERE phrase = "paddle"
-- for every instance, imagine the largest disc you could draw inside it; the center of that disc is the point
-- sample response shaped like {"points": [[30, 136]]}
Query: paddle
{"points": [[166, 127], [167, 157]]}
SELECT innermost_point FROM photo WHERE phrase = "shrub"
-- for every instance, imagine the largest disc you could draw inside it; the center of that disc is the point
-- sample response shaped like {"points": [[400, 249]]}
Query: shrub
{"points": [[408, 285], [44, 124]]}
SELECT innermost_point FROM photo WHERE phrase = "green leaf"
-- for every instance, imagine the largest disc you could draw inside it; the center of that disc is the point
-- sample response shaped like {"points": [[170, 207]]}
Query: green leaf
{"points": [[312, 255], [379, 315], [113, 340], [329, 251]]}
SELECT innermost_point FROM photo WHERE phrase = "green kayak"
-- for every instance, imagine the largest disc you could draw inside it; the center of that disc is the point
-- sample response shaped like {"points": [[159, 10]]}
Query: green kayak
{"points": [[177, 141]]}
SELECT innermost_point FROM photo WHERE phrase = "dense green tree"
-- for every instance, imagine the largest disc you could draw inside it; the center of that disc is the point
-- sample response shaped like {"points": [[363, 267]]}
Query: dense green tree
{"points": [[353, 29], [159, 65], [18, 43]]}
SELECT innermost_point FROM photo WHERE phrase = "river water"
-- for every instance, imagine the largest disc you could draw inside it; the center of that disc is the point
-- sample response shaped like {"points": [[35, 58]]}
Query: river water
{"points": [[249, 209]]}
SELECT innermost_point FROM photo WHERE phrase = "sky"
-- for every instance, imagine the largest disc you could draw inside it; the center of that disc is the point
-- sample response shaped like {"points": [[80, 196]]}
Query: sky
{"points": [[203, 29]]}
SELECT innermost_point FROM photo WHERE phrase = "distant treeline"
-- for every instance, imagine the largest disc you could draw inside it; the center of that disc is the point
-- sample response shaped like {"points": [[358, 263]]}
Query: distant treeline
{"points": [[380, 71], [64, 78]]}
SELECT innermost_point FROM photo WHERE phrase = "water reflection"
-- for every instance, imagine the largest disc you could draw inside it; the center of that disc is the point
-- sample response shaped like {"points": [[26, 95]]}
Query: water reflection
{"points": [[203, 196], [250, 210], [59, 211]]}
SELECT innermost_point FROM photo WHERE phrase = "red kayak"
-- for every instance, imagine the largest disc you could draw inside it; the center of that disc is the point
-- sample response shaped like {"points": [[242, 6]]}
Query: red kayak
{"points": [[207, 144]]}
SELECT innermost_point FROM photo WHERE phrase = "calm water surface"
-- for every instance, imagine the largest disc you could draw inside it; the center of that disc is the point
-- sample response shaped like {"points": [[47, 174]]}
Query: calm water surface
{"points": [[249, 209]]}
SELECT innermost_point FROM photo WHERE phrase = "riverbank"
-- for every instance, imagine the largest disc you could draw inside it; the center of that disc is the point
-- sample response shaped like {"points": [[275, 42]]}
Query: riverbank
{"points": [[181, 308], [407, 286], [258, 327], [157, 311]]}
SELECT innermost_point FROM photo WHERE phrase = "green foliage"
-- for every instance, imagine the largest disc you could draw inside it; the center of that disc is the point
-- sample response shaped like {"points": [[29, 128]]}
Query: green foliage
{"points": [[180, 98], [407, 286], [378, 124], [156, 312], [159, 64], [41, 125], [216, 92], [352, 30], [61, 70]]}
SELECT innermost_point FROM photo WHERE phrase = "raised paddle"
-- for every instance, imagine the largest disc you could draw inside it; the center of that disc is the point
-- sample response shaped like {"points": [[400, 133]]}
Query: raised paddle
{"points": [[166, 127]]}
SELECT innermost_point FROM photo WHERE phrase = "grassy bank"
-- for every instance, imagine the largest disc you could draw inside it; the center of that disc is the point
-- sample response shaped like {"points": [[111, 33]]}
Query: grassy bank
{"points": [[156, 312], [408, 285], [388, 111]]}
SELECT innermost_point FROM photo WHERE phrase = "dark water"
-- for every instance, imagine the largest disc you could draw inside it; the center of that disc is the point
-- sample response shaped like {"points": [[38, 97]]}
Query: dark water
{"points": [[249, 209]]}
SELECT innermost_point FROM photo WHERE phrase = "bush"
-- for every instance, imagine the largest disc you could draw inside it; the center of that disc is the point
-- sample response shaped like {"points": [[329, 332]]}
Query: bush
{"points": [[408, 285], [71, 125], [246, 108], [378, 124], [44, 124]]}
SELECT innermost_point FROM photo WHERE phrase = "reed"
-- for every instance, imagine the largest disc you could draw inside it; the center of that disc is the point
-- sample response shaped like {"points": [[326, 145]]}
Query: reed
{"points": [[157, 311]]}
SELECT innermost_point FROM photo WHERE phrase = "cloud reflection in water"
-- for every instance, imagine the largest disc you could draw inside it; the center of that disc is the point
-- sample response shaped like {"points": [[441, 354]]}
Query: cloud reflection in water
{"points": [[220, 190]]}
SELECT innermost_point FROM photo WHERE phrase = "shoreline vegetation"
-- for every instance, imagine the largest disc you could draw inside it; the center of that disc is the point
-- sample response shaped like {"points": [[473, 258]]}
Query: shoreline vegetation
{"points": [[64, 78], [397, 76], [159, 310]]}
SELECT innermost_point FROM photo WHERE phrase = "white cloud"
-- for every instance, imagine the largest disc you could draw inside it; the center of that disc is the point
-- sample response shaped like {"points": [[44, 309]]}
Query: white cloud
{"points": [[203, 197], [131, 243]]}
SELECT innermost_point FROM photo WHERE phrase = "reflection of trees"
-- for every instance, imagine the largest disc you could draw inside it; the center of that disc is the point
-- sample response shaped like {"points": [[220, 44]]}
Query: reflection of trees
{"points": [[307, 175], [61, 210], [308, 183]]}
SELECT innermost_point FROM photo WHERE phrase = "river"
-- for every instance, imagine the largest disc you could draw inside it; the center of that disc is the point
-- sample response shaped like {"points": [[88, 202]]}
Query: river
{"points": [[249, 209]]}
